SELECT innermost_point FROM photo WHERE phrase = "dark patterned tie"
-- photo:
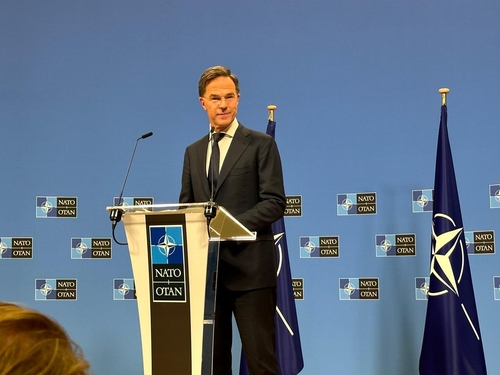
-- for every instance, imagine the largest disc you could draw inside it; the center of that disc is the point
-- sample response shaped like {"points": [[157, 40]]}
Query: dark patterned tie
{"points": [[213, 169]]}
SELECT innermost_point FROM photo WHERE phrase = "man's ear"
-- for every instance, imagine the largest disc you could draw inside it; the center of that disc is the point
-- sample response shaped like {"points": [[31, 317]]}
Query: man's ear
{"points": [[202, 102]]}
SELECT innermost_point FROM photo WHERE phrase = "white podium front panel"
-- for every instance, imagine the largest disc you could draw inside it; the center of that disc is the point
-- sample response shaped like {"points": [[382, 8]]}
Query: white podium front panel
{"points": [[169, 260]]}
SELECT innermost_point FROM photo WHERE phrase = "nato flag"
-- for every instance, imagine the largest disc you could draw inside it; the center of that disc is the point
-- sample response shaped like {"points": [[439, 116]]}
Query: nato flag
{"points": [[452, 343], [288, 347]]}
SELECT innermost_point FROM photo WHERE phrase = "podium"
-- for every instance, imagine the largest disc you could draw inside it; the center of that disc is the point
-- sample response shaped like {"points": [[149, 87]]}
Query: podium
{"points": [[174, 255]]}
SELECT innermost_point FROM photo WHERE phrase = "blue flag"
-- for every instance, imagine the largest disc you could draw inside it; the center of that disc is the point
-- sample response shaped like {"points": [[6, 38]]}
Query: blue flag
{"points": [[288, 347], [452, 343]]}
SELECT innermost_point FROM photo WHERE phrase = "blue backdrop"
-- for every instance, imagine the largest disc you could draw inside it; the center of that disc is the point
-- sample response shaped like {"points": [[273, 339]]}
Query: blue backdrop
{"points": [[356, 85]]}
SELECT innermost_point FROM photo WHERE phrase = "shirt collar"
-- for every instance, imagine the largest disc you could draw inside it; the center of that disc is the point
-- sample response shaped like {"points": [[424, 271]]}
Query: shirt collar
{"points": [[231, 129]]}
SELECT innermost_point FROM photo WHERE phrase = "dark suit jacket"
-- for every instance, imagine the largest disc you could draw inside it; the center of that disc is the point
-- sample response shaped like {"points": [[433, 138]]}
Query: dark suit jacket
{"points": [[251, 189]]}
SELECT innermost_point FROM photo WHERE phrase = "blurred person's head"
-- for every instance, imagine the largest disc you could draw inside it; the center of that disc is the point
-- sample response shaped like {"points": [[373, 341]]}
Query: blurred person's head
{"points": [[32, 343]]}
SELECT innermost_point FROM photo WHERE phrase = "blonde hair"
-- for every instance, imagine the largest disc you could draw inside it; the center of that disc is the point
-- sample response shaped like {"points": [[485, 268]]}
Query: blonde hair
{"points": [[32, 343]]}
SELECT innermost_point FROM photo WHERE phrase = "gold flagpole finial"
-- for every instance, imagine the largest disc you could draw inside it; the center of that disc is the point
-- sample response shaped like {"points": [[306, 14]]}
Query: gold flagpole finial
{"points": [[271, 109], [443, 91]]}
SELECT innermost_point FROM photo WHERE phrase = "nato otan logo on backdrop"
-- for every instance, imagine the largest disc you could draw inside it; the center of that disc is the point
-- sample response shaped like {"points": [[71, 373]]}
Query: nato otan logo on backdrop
{"points": [[133, 201], [319, 246], [124, 289], [356, 204], [56, 207], [293, 205], [480, 242], [496, 287], [422, 200], [366, 288], [393, 245], [298, 288], [168, 274], [421, 288], [495, 196], [90, 248], [55, 289], [16, 247]]}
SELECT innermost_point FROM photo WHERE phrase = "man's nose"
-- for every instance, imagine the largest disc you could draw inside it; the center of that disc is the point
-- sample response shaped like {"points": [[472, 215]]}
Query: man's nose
{"points": [[223, 103]]}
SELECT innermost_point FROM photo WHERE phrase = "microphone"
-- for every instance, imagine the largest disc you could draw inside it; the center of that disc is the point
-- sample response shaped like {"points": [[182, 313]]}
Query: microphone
{"points": [[210, 169], [116, 215], [211, 207]]}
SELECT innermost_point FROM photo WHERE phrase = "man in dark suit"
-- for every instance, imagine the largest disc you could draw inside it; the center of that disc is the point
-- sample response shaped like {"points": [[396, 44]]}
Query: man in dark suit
{"points": [[250, 187]]}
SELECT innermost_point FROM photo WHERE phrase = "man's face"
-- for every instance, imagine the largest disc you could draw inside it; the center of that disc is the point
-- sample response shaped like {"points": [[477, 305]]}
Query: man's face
{"points": [[221, 102]]}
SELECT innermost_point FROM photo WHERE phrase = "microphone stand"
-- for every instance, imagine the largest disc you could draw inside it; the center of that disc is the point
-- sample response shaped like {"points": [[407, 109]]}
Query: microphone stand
{"points": [[211, 207], [116, 215]]}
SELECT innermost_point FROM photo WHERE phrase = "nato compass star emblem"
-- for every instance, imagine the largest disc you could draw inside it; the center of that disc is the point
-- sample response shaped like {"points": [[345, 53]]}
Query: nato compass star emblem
{"points": [[424, 288], [123, 289], [349, 289], [166, 245], [347, 204], [46, 207], [386, 245], [310, 247], [45, 289], [3, 248], [277, 243], [81, 248], [422, 200], [444, 246], [277, 239]]}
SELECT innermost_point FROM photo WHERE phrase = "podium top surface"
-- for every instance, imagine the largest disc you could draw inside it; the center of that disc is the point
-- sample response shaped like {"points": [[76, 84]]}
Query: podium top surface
{"points": [[178, 207], [223, 227]]}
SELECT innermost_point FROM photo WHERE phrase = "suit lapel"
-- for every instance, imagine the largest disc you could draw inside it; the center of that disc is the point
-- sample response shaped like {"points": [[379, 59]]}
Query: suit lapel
{"points": [[238, 146]]}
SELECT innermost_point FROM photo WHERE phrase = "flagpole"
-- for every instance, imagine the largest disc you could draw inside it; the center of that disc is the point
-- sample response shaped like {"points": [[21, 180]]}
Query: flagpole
{"points": [[443, 91], [271, 109], [452, 341]]}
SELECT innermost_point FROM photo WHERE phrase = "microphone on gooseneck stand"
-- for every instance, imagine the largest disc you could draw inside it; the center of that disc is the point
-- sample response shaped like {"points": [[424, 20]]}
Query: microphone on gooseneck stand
{"points": [[211, 207], [116, 215]]}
